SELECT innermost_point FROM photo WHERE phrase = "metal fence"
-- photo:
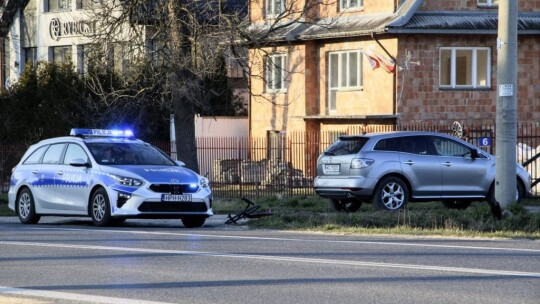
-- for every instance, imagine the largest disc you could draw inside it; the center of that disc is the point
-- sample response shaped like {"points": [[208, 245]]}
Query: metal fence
{"points": [[284, 164]]}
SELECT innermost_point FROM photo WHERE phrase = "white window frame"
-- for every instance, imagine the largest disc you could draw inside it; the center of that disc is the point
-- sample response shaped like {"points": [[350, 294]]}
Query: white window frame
{"points": [[474, 69], [61, 5], [272, 8], [489, 3], [332, 90], [273, 70], [66, 57], [345, 5]]}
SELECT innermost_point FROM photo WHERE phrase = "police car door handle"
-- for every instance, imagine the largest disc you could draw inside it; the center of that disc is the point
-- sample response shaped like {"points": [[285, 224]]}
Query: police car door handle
{"points": [[60, 172], [448, 164], [35, 172], [409, 162]]}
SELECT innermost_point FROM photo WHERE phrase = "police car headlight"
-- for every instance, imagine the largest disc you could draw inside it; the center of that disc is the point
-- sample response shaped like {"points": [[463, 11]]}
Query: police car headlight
{"points": [[127, 181], [204, 182]]}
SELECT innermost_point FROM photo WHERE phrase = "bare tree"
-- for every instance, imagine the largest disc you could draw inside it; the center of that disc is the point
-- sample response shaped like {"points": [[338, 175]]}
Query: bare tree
{"points": [[167, 49]]}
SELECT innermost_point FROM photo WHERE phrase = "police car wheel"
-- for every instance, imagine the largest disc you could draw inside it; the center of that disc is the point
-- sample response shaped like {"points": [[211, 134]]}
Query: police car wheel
{"points": [[193, 221], [100, 208], [26, 208]]}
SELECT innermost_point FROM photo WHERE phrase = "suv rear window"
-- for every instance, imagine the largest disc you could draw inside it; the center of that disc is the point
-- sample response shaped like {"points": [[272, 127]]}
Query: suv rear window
{"points": [[346, 145]]}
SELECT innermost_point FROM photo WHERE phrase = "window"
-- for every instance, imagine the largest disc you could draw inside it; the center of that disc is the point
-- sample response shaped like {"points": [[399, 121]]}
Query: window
{"points": [[274, 7], [351, 4], [344, 73], [52, 156], [35, 156], [448, 147], [464, 68], [275, 73], [87, 4], [61, 54], [488, 2], [346, 146], [414, 145], [30, 56], [59, 5], [390, 144], [74, 152]]}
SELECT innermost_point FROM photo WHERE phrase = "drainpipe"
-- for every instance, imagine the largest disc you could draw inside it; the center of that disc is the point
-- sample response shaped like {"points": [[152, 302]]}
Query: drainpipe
{"points": [[394, 77]]}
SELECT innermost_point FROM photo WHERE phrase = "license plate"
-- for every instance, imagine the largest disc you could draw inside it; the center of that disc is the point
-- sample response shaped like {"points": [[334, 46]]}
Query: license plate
{"points": [[331, 169], [176, 197]]}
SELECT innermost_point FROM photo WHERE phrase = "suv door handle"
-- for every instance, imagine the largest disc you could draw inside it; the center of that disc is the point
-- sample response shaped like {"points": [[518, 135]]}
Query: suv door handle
{"points": [[409, 162], [448, 164]]}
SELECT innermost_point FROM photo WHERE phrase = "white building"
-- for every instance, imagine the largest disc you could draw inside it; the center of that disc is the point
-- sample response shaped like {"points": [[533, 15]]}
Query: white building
{"points": [[50, 30]]}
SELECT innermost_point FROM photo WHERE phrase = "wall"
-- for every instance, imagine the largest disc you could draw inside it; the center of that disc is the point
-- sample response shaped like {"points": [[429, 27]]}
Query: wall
{"points": [[221, 126], [331, 9], [376, 97], [422, 100], [282, 111]]}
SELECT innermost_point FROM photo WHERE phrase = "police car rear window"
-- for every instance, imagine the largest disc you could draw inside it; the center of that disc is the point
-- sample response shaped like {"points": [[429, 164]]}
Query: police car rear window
{"points": [[35, 156]]}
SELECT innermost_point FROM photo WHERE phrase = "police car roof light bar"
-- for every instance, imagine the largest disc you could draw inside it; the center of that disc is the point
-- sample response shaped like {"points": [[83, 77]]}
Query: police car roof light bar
{"points": [[101, 133]]}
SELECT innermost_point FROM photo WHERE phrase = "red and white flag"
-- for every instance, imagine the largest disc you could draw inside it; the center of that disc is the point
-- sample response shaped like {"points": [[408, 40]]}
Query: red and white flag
{"points": [[372, 60], [387, 64]]}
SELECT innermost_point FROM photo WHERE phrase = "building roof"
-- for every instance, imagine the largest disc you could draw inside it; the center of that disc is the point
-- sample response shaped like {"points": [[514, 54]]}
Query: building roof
{"points": [[462, 22], [408, 19]]}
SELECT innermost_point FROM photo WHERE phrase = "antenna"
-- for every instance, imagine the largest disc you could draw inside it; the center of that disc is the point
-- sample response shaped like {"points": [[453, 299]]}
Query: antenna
{"points": [[408, 60]]}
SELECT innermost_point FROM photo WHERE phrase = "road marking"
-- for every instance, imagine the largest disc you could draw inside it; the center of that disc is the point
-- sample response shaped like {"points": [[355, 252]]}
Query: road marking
{"points": [[295, 239], [68, 296], [283, 259]]}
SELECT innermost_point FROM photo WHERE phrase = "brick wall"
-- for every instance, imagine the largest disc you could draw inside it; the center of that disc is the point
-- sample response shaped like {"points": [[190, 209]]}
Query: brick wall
{"points": [[420, 99]]}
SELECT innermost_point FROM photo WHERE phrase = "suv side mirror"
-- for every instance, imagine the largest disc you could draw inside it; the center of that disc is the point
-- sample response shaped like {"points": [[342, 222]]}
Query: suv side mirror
{"points": [[474, 153]]}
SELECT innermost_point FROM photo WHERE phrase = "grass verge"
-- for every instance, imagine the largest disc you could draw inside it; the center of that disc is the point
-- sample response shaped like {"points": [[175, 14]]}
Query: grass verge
{"points": [[4, 210], [426, 219]]}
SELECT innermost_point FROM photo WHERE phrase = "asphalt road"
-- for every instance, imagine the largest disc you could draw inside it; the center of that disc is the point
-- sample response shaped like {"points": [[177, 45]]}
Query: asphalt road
{"points": [[67, 260]]}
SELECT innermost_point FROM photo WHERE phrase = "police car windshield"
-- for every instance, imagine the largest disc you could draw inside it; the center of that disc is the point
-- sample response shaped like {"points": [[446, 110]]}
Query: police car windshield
{"points": [[128, 154]]}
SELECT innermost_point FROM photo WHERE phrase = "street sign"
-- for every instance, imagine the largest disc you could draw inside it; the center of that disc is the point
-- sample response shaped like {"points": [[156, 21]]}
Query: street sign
{"points": [[506, 90], [484, 142]]}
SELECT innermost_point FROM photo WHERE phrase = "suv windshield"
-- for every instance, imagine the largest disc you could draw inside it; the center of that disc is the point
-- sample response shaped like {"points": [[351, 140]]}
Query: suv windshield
{"points": [[128, 154], [346, 145]]}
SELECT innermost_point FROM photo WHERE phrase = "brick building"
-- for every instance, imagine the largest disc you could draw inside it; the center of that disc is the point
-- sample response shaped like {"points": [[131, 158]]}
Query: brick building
{"points": [[316, 75]]}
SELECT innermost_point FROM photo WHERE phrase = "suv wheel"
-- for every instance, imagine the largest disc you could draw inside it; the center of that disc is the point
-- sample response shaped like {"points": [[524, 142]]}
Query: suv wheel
{"points": [[491, 197], [348, 205], [391, 194]]}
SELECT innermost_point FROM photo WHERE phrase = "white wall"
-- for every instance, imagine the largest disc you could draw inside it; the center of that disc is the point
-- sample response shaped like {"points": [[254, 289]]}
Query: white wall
{"points": [[221, 126]]}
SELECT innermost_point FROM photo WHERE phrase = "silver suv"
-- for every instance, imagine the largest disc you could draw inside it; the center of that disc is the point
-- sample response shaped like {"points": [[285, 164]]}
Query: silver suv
{"points": [[391, 169]]}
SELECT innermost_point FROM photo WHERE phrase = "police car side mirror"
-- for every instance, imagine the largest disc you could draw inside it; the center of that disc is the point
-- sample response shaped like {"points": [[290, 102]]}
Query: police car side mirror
{"points": [[180, 163], [79, 162], [474, 153]]}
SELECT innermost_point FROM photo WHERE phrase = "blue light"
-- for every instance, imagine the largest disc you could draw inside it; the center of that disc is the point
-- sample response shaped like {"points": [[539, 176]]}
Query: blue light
{"points": [[193, 186], [101, 133]]}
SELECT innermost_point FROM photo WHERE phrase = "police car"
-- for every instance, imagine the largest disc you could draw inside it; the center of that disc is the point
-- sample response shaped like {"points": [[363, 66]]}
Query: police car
{"points": [[108, 175]]}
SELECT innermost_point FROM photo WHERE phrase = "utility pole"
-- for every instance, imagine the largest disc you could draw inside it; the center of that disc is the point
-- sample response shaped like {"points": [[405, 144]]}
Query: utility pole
{"points": [[506, 123]]}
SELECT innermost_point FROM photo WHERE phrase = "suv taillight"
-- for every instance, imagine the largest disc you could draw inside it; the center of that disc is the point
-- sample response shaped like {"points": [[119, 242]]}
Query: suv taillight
{"points": [[359, 163]]}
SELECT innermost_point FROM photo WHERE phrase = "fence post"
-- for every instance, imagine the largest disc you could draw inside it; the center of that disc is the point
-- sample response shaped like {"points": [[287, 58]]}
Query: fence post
{"points": [[239, 164]]}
